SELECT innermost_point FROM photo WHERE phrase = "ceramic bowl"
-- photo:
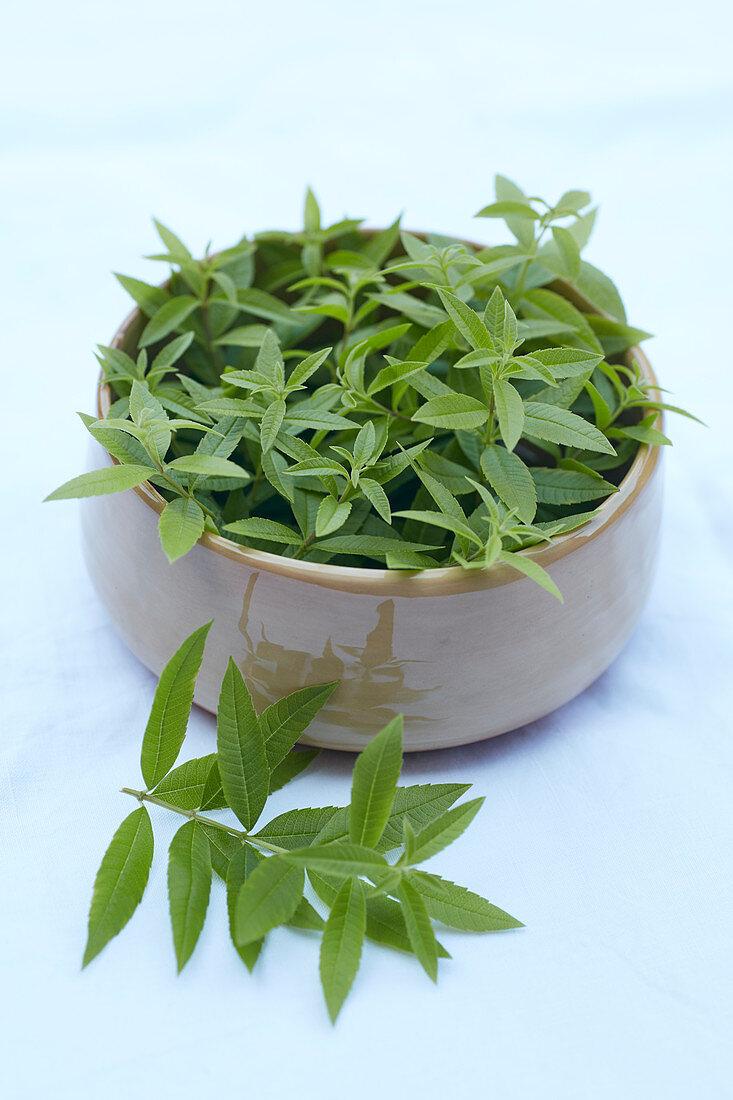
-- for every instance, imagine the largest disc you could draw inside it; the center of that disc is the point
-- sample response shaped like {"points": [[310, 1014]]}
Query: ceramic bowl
{"points": [[462, 655]]}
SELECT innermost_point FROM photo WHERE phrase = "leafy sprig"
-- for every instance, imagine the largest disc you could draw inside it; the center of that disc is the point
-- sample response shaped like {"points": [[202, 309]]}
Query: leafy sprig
{"points": [[360, 863], [376, 399]]}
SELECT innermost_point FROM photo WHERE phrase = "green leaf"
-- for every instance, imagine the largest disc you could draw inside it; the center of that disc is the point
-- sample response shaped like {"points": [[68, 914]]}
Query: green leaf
{"points": [[269, 897], [317, 467], [245, 336], [562, 526], [376, 342], [566, 362], [297, 828], [171, 707], [415, 309], [555, 486], [332, 514], [285, 721], [125, 448], [273, 467], [443, 830], [308, 366], [567, 251], [167, 319], [370, 546], [418, 926], [267, 529], [241, 865], [381, 245], [229, 406], [468, 322], [174, 244], [511, 480], [600, 291], [306, 917], [396, 371], [532, 570], [510, 413], [245, 776], [364, 444], [120, 881], [452, 411], [203, 465], [227, 285], [385, 923], [377, 497], [642, 433], [433, 343], [312, 213], [376, 772], [149, 298], [271, 423], [494, 315], [111, 479], [341, 946], [261, 304], [532, 328], [421, 803], [615, 336], [189, 884], [212, 796], [334, 306], [340, 859], [544, 303], [185, 785], [293, 764], [180, 526], [222, 846], [170, 354], [521, 226], [460, 908], [561, 426], [571, 202], [445, 522], [509, 209]]}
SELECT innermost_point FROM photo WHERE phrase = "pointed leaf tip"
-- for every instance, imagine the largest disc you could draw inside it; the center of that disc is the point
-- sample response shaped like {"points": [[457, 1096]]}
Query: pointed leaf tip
{"points": [[243, 767], [171, 707], [376, 772], [120, 881], [341, 945]]}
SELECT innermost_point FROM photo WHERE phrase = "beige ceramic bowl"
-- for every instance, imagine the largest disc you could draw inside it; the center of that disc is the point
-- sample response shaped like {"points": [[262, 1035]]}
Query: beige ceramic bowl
{"points": [[462, 655]]}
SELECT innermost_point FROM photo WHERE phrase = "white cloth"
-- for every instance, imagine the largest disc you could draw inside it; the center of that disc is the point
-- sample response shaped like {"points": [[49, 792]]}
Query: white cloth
{"points": [[607, 826]]}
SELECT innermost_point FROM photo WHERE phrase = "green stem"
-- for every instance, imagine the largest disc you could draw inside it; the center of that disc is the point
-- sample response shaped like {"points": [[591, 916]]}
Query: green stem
{"points": [[390, 412], [304, 546], [189, 496], [194, 815]]}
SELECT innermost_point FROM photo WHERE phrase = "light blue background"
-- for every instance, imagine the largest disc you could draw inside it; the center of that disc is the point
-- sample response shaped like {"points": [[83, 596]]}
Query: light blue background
{"points": [[607, 826]]}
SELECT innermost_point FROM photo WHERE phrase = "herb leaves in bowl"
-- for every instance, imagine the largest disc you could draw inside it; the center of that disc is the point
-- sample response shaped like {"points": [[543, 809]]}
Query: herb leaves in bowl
{"points": [[338, 395]]}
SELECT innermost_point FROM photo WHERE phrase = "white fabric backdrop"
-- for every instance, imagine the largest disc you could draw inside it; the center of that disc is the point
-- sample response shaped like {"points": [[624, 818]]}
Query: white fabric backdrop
{"points": [[607, 826]]}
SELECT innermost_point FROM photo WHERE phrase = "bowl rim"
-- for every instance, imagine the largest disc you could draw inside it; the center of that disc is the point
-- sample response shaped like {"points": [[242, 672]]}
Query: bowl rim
{"points": [[426, 582]]}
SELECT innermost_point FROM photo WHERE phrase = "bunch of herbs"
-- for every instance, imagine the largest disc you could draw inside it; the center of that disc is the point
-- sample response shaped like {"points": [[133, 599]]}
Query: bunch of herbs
{"points": [[376, 399], [359, 863]]}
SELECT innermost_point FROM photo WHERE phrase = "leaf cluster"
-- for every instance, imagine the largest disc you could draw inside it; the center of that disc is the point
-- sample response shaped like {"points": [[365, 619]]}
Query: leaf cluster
{"points": [[379, 398], [345, 872]]}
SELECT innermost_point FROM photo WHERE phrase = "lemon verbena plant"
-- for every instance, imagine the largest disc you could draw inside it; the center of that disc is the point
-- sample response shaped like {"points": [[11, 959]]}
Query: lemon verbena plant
{"points": [[360, 398]]}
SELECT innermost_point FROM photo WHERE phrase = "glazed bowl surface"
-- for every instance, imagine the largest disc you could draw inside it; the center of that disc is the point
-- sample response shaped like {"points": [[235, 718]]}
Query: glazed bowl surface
{"points": [[462, 655]]}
